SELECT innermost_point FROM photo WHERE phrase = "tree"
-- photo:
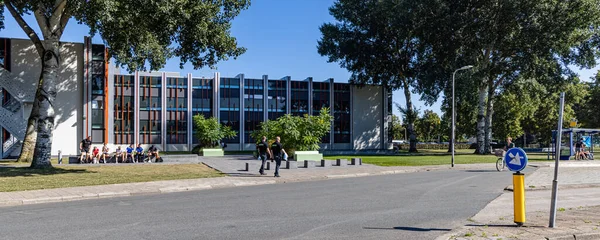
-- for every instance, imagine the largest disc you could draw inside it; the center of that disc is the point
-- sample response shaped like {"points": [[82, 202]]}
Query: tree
{"points": [[507, 41], [589, 113], [378, 42], [210, 132], [397, 128], [428, 126], [297, 133], [139, 35]]}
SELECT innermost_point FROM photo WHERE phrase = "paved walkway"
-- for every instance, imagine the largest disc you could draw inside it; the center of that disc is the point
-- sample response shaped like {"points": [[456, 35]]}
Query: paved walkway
{"points": [[578, 215]]}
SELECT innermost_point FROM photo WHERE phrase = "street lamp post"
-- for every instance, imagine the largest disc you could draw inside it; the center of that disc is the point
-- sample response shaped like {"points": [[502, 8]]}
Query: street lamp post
{"points": [[453, 114]]}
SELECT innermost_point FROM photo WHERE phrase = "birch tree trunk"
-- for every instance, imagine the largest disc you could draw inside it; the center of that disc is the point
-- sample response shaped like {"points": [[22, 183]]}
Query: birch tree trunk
{"points": [[31, 134], [410, 119], [488, 121], [45, 123], [481, 120]]}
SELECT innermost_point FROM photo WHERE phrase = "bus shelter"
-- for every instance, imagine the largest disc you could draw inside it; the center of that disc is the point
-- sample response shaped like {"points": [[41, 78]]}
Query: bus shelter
{"points": [[570, 136]]}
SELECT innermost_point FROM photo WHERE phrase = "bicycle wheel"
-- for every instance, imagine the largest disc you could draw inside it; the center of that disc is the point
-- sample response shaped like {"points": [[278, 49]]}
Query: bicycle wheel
{"points": [[500, 164]]}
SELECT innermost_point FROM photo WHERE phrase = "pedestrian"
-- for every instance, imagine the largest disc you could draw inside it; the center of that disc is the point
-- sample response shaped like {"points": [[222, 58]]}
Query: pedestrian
{"points": [[276, 150], [263, 149], [84, 147]]}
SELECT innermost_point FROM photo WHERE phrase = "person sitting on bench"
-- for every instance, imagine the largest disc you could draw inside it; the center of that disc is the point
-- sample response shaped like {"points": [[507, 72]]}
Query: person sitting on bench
{"points": [[153, 152], [84, 147], [129, 153], [119, 153], [95, 155], [105, 153], [139, 153]]}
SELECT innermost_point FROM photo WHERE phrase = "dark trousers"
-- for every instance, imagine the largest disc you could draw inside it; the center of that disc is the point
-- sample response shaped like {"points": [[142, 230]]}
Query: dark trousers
{"points": [[277, 165], [263, 158]]}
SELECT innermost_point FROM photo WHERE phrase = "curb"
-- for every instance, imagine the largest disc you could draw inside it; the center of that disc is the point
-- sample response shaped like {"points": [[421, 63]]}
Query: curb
{"points": [[582, 236], [560, 187]]}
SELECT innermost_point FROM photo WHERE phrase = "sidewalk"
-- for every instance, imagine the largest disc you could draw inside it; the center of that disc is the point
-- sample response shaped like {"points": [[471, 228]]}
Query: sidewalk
{"points": [[235, 178], [578, 207]]}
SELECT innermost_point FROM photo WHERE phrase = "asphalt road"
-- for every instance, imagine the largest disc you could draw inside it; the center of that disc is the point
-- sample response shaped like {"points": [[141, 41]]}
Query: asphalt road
{"points": [[402, 206]]}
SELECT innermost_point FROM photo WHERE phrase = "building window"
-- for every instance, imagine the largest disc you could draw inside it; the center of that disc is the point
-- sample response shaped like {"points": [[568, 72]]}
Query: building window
{"points": [[341, 113], [253, 106], [299, 98], [277, 99], [229, 106], [202, 100], [150, 118], [123, 109], [177, 110], [321, 96], [98, 76]]}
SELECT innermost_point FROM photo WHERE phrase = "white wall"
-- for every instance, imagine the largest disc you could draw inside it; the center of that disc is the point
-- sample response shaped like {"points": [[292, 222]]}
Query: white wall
{"points": [[367, 110], [68, 104]]}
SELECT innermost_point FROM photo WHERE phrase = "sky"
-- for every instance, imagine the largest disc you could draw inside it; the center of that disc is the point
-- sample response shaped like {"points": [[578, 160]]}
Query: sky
{"points": [[281, 37]]}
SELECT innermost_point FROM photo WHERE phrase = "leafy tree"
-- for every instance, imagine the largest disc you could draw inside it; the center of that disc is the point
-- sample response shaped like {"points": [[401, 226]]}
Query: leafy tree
{"points": [[516, 104], [589, 113], [297, 133], [507, 41], [397, 128], [139, 35], [210, 132], [428, 126], [377, 41], [410, 116]]}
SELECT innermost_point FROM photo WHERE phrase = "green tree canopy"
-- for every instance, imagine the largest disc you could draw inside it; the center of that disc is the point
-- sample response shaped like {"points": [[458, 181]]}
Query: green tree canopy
{"points": [[297, 133], [139, 35], [210, 132]]}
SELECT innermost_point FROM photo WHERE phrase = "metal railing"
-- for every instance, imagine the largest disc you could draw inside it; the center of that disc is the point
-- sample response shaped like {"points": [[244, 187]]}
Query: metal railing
{"points": [[9, 146]]}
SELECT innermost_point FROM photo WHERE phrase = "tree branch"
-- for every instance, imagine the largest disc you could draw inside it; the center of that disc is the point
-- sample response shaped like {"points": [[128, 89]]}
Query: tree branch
{"points": [[57, 16], [42, 20], [39, 46]]}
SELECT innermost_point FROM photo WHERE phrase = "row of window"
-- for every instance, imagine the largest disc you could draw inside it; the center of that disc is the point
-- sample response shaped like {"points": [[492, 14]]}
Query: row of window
{"points": [[230, 107]]}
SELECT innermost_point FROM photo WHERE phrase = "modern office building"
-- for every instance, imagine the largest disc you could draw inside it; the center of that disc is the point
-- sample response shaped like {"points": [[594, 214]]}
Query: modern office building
{"points": [[99, 100]]}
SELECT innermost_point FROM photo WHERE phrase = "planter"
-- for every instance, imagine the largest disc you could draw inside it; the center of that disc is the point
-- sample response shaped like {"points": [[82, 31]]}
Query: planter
{"points": [[307, 156], [213, 152]]}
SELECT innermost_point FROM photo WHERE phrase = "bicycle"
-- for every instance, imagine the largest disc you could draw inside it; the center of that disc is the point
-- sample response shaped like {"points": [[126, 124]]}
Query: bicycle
{"points": [[500, 163]]}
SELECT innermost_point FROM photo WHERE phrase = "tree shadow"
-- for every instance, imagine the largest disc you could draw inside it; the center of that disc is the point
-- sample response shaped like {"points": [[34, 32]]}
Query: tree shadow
{"points": [[29, 172], [414, 229]]}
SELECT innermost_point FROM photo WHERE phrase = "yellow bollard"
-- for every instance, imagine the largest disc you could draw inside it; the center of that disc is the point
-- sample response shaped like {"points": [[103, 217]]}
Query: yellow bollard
{"points": [[519, 197]]}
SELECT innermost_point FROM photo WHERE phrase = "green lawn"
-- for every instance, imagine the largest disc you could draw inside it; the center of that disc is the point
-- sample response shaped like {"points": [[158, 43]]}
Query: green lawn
{"points": [[21, 178], [426, 160]]}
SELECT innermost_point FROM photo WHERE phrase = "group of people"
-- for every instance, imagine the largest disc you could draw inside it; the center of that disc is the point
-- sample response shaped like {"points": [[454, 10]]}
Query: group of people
{"points": [[275, 153], [580, 152], [130, 155]]}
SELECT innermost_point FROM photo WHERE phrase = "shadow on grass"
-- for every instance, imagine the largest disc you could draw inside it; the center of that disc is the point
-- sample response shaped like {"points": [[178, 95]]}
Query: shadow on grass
{"points": [[28, 172], [414, 229]]}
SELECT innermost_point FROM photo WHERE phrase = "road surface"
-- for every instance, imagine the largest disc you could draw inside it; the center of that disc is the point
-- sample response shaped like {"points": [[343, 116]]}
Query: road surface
{"points": [[402, 206]]}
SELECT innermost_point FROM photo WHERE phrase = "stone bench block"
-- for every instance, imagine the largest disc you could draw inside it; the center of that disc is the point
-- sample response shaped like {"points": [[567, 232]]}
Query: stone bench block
{"points": [[291, 165], [341, 162], [356, 161], [309, 164], [325, 163]]}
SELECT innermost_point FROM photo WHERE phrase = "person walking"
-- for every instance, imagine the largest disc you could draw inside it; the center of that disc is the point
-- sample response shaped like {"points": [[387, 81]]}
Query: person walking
{"points": [[276, 150], [263, 150]]}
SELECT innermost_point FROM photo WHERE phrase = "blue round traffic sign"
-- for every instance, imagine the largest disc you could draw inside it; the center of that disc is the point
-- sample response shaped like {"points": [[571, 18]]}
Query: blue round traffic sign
{"points": [[516, 159]]}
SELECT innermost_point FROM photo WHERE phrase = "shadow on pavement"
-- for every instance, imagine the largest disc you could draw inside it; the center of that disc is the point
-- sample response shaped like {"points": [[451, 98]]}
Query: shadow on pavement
{"points": [[26, 171], [414, 229], [481, 170]]}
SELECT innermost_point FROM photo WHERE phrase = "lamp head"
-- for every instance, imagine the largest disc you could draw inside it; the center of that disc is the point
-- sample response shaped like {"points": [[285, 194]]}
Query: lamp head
{"points": [[466, 67]]}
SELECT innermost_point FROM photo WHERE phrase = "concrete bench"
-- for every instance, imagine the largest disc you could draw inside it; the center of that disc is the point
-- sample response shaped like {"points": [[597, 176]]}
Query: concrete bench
{"points": [[213, 152], [325, 163], [307, 155], [187, 158], [356, 161], [309, 164], [341, 162]]}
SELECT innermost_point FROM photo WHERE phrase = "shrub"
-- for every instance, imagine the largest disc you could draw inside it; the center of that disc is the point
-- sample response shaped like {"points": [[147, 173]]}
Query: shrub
{"points": [[297, 133], [210, 132]]}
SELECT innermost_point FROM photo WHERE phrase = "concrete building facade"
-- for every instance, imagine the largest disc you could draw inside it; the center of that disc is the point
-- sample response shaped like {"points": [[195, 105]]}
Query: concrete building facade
{"points": [[99, 100]]}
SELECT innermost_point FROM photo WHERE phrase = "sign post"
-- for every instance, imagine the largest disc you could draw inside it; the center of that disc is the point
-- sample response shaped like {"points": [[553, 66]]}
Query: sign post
{"points": [[516, 161], [558, 148]]}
